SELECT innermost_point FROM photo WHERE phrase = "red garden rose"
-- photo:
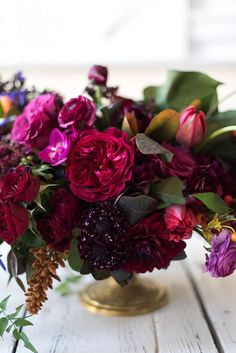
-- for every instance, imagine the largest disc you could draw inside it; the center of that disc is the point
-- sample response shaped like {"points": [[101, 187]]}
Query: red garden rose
{"points": [[148, 247], [18, 185], [100, 165], [14, 221], [76, 111], [57, 228], [180, 222], [39, 118]]}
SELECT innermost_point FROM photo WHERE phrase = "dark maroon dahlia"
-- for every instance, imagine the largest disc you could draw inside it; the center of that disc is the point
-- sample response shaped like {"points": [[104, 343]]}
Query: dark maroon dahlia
{"points": [[103, 227], [148, 247]]}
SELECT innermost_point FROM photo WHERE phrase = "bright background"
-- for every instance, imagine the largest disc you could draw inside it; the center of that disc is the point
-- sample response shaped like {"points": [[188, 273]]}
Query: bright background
{"points": [[56, 41]]}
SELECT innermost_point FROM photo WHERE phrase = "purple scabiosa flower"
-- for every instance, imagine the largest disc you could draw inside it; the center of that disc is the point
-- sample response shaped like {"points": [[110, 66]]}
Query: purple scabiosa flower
{"points": [[222, 260], [57, 151]]}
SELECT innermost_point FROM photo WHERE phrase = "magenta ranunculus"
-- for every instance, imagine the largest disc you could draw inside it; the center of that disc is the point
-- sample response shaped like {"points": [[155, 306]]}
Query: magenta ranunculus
{"points": [[18, 185], [222, 260], [192, 127], [180, 222], [39, 118], [147, 246], [182, 163], [100, 164], [57, 228], [58, 149], [14, 220], [98, 75], [78, 112]]}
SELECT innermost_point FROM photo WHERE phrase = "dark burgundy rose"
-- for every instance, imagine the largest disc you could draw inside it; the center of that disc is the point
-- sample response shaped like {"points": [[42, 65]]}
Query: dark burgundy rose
{"points": [[39, 118], [100, 164], [145, 170], [77, 111], [57, 228], [204, 178], [148, 246], [182, 163], [180, 222], [14, 220], [18, 185], [98, 75]]}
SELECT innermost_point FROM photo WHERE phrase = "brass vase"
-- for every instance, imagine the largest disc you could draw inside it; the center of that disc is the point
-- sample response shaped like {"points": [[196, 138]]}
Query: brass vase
{"points": [[107, 297]]}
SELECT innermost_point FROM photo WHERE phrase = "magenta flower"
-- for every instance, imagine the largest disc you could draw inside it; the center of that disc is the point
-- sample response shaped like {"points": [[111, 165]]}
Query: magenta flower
{"points": [[192, 127], [222, 260], [58, 149]]}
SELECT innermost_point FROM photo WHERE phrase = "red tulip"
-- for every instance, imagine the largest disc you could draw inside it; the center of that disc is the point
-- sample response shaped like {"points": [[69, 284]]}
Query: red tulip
{"points": [[192, 127]]}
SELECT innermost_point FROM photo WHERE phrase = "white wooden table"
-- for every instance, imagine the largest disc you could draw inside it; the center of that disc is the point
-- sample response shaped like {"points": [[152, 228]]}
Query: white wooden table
{"points": [[200, 317]]}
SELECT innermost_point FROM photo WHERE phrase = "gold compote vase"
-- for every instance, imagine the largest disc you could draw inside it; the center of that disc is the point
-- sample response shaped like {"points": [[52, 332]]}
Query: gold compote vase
{"points": [[140, 296]]}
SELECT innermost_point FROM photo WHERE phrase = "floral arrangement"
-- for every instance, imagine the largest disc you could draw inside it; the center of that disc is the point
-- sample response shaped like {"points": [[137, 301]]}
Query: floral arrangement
{"points": [[115, 186]]}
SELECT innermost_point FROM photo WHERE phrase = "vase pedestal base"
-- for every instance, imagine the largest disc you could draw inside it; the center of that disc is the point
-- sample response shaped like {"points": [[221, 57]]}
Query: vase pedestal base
{"points": [[107, 297]]}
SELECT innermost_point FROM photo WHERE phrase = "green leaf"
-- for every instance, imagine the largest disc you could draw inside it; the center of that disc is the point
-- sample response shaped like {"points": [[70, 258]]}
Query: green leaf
{"points": [[137, 207], [64, 287], [3, 303], [23, 337], [22, 322], [148, 146], [74, 259], [85, 269], [3, 325], [169, 191], [163, 126], [122, 277], [9, 328], [100, 275], [13, 315], [38, 202], [212, 201], [43, 187], [181, 88]]}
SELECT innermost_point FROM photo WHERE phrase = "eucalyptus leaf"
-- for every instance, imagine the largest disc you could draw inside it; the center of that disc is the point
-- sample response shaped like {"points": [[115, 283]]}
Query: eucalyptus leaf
{"points": [[148, 146], [137, 207], [212, 201], [100, 275], [169, 191]]}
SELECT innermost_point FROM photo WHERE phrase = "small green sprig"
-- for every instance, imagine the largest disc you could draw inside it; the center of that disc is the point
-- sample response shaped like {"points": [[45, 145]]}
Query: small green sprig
{"points": [[12, 323]]}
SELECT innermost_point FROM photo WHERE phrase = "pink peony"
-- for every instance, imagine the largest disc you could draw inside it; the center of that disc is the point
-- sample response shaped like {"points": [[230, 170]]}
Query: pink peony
{"points": [[39, 118]]}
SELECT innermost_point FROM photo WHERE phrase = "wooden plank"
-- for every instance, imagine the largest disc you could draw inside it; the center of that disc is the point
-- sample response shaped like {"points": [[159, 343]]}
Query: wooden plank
{"points": [[17, 298], [179, 327], [218, 296]]}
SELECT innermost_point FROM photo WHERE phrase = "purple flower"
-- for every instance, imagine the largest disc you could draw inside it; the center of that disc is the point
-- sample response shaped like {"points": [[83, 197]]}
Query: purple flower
{"points": [[57, 151], [222, 260], [76, 112], [98, 75]]}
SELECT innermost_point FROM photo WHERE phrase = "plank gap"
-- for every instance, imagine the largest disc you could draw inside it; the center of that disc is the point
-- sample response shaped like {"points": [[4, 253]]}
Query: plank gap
{"points": [[212, 330]]}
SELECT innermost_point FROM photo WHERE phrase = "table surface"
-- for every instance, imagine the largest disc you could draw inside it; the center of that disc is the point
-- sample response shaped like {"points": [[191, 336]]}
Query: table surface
{"points": [[200, 317]]}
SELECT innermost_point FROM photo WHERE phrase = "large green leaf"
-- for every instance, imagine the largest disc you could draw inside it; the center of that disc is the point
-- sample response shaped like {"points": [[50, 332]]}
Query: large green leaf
{"points": [[148, 146], [137, 207], [181, 88], [169, 191], [218, 139], [212, 201]]}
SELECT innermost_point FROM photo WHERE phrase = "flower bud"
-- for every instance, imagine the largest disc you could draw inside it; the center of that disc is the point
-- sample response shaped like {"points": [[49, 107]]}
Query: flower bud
{"points": [[192, 127], [98, 75]]}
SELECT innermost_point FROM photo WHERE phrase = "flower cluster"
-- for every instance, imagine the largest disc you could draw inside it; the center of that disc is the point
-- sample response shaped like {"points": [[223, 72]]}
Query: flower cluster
{"points": [[117, 185]]}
